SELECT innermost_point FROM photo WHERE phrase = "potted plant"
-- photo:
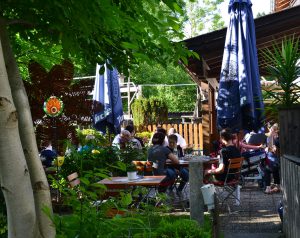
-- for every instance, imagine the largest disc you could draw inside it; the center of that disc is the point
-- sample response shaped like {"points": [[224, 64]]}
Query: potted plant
{"points": [[131, 171], [284, 67]]}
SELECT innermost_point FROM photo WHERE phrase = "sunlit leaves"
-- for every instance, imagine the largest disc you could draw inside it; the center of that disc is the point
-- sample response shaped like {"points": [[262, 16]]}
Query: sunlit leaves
{"points": [[283, 66], [126, 32]]}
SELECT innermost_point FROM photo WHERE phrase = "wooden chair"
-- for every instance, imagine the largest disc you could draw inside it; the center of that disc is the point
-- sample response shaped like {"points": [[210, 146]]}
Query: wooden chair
{"points": [[232, 181]]}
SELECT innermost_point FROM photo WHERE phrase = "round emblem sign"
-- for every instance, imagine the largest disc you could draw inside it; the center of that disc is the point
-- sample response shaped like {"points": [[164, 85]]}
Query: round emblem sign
{"points": [[53, 106]]}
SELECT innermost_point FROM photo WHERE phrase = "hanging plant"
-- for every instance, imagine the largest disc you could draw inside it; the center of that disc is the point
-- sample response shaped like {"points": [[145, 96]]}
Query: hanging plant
{"points": [[53, 106]]}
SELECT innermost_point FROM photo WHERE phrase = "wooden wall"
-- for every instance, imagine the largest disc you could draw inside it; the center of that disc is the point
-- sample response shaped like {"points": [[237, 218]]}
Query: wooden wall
{"points": [[289, 124], [290, 171], [281, 4]]}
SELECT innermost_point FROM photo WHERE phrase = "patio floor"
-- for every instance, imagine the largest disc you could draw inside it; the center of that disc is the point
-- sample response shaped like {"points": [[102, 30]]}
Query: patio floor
{"points": [[255, 217]]}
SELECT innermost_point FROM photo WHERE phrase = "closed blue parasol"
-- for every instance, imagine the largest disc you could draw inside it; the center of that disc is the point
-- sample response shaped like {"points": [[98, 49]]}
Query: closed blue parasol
{"points": [[108, 111], [240, 104]]}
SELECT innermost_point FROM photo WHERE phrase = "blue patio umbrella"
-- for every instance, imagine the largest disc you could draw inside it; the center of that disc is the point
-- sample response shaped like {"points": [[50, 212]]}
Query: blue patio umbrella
{"points": [[240, 104], [108, 110]]}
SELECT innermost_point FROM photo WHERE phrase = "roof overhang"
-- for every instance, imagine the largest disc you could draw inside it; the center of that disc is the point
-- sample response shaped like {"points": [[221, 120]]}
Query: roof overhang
{"points": [[270, 29]]}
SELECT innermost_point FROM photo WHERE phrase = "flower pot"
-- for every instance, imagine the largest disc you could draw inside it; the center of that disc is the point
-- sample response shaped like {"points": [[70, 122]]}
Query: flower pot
{"points": [[289, 130], [132, 175]]}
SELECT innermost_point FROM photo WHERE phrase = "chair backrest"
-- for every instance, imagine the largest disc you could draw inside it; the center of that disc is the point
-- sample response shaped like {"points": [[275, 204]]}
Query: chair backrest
{"points": [[73, 179], [234, 168]]}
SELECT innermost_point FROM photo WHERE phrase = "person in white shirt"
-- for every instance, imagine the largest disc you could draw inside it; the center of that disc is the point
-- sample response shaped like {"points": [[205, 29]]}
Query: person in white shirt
{"points": [[122, 139], [135, 142], [125, 138], [180, 140]]}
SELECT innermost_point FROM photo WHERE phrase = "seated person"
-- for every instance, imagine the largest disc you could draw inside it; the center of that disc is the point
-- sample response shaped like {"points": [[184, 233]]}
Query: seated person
{"points": [[183, 172], [175, 148], [180, 140], [47, 155], [229, 151], [272, 162], [161, 130], [122, 139], [159, 154], [217, 147], [136, 141]]}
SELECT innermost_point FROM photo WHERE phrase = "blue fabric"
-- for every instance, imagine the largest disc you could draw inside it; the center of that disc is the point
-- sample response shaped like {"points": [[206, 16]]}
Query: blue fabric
{"points": [[240, 104], [107, 93], [49, 156]]}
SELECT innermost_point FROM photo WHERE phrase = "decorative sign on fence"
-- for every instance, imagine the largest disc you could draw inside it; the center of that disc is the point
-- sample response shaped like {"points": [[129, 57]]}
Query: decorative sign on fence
{"points": [[53, 106]]}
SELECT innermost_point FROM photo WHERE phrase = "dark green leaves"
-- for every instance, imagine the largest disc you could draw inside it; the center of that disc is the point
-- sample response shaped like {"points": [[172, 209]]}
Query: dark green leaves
{"points": [[283, 67]]}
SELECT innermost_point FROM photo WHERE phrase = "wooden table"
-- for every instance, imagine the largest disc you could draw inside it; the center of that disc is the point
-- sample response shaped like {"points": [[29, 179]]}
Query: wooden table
{"points": [[186, 160], [119, 182], [116, 184]]}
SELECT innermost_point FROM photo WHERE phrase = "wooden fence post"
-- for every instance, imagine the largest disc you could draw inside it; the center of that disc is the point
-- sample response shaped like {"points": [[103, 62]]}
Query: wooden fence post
{"points": [[196, 182], [290, 169]]}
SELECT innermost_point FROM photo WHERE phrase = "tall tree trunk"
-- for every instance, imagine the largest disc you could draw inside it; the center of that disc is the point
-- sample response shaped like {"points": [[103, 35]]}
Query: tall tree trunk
{"points": [[37, 175], [14, 174]]}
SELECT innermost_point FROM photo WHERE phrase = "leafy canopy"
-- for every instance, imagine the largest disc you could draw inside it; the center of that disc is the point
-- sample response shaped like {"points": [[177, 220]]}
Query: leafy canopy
{"points": [[126, 32]]}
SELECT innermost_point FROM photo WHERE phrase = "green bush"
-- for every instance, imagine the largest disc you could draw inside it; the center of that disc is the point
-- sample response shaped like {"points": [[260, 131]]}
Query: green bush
{"points": [[138, 226], [149, 111], [176, 227]]}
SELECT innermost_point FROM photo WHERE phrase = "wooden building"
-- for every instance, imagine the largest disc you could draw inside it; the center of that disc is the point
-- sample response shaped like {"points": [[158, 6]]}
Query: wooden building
{"points": [[206, 72]]}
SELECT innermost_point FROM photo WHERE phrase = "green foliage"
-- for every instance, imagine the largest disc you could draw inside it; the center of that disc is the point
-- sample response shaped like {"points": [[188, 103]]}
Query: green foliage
{"points": [[159, 110], [145, 135], [89, 217], [284, 68], [96, 153], [3, 216], [180, 229], [136, 33], [146, 73], [203, 16], [149, 111], [98, 138], [178, 98], [131, 167], [137, 226]]}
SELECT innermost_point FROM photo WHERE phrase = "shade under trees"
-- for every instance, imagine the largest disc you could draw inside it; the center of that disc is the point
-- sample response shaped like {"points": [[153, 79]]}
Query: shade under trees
{"points": [[126, 32]]}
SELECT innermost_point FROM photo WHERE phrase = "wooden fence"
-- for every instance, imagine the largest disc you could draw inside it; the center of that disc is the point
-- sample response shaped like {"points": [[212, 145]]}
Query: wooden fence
{"points": [[191, 132], [290, 171]]}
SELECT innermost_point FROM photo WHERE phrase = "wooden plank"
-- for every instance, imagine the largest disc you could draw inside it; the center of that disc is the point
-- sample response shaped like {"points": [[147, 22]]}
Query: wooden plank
{"points": [[291, 190], [176, 126], [181, 130], [185, 133], [196, 136], [191, 134], [154, 128], [168, 127], [200, 137]]}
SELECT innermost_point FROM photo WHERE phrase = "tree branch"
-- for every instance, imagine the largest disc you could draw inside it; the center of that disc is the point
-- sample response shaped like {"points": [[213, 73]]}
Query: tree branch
{"points": [[20, 22]]}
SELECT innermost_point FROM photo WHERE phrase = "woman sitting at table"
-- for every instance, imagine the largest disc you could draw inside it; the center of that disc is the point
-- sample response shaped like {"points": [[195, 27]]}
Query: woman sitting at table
{"points": [[230, 151], [159, 154], [182, 172]]}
